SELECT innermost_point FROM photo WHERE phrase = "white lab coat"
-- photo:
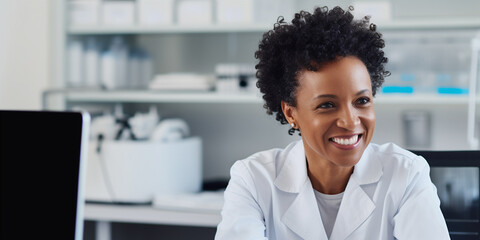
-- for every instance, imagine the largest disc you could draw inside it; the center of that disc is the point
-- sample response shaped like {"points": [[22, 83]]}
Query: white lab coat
{"points": [[388, 196]]}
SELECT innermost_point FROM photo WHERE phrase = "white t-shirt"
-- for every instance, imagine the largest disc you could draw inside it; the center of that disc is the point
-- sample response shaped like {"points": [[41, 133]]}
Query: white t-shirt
{"points": [[328, 206]]}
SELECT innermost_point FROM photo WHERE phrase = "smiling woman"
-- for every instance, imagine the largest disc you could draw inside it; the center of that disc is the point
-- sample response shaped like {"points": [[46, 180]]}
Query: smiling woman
{"points": [[320, 74], [336, 117]]}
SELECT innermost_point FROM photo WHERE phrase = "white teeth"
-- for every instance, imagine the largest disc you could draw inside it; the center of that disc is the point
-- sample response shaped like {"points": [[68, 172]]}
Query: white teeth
{"points": [[346, 141]]}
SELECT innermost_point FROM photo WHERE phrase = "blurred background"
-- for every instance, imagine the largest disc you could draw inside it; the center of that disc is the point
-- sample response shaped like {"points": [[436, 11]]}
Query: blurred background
{"points": [[172, 72]]}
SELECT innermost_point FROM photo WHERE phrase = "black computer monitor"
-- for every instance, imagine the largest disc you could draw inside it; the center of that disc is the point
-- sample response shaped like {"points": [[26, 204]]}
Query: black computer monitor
{"points": [[43, 161], [456, 174]]}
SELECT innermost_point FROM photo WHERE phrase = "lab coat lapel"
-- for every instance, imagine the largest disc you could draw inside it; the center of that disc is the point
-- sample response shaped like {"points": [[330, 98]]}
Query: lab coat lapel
{"points": [[355, 208], [302, 215], [356, 205]]}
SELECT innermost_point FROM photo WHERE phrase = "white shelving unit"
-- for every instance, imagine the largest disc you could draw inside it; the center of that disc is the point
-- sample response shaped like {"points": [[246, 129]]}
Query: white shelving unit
{"points": [[104, 214], [441, 23], [130, 96], [430, 24], [214, 28], [162, 97], [422, 99]]}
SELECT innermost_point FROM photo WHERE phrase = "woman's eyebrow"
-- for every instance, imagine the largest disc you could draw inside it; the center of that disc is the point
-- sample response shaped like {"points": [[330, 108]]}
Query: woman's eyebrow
{"points": [[362, 91], [335, 96], [326, 96]]}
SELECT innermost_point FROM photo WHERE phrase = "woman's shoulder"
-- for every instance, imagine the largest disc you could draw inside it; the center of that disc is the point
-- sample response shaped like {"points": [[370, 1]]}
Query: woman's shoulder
{"points": [[397, 158], [265, 162], [391, 149]]}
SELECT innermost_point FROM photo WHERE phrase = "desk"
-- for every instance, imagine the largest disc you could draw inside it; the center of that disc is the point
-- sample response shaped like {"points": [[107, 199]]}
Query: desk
{"points": [[104, 214]]}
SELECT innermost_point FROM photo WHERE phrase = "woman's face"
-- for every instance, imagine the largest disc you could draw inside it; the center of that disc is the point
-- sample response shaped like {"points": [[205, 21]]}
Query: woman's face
{"points": [[334, 112]]}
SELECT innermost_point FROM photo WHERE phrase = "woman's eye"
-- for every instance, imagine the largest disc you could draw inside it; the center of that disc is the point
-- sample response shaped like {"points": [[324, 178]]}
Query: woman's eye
{"points": [[326, 105], [363, 101]]}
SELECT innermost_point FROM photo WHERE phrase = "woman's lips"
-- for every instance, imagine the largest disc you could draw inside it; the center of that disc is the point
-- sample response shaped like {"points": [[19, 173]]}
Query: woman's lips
{"points": [[346, 142]]}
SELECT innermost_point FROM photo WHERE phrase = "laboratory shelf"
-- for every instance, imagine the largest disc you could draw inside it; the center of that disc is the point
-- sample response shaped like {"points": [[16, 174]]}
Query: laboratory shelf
{"points": [[407, 24], [151, 96], [149, 215], [422, 99], [133, 29], [430, 23]]}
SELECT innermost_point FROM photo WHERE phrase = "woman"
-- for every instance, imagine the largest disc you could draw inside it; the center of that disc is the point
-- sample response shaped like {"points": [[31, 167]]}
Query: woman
{"points": [[319, 74]]}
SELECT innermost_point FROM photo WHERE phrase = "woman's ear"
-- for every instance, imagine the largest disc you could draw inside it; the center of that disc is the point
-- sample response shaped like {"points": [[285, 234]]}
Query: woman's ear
{"points": [[288, 112]]}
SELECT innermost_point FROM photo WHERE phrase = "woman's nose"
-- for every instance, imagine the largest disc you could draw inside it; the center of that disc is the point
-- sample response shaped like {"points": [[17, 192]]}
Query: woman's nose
{"points": [[348, 119]]}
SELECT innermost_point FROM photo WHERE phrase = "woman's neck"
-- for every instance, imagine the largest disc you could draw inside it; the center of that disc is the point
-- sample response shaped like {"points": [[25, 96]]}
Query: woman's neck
{"points": [[328, 178]]}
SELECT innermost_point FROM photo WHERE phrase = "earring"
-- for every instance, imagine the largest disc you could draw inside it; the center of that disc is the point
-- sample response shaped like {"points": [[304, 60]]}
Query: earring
{"points": [[292, 125]]}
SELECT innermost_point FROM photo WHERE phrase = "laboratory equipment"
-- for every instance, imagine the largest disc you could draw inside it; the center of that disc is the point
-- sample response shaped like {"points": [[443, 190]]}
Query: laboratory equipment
{"points": [[417, 129], [134, 171]]}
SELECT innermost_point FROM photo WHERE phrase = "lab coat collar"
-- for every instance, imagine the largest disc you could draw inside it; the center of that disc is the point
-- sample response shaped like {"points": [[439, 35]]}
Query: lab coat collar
{"points": [[292, 176], [356, 205], [369, 169]]}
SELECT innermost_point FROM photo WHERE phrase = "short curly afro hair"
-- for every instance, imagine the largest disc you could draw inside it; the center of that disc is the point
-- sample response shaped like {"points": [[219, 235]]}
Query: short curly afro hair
{"points": [[310, 41]]}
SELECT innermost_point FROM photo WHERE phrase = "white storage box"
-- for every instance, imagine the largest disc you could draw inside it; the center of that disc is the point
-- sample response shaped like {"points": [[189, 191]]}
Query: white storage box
{"points": [[118, 13], [84, 12], [136, 171], [234, 11], [155, 12], [194, 12]]}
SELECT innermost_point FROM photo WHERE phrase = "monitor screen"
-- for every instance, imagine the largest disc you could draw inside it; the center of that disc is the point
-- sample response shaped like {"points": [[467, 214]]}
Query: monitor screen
{"points": [[40, 155], [457, 188], [456, 175]]}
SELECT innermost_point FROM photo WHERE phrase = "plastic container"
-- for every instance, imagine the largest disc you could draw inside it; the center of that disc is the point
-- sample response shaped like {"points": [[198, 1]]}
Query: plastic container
{"points": [[136, 171]]}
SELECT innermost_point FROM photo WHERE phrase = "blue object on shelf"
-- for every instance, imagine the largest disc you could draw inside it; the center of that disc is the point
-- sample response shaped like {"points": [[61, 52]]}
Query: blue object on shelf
{"points": [[397, 89], [452, 90]]}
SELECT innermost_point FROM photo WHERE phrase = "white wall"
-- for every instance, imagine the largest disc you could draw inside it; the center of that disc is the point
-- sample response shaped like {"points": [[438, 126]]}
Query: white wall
{"points": [[24, 52]]}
